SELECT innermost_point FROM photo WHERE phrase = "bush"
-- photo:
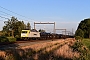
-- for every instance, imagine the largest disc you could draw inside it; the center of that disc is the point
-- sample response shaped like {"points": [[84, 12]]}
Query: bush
{"points": [[3, 39], [77, 46], [78, 38], [17, 37], [11, 39], [83, 50]]}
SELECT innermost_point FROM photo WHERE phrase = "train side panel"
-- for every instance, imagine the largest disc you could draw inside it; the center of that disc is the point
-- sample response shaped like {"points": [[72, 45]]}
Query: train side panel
{"points": [[34, 34]]}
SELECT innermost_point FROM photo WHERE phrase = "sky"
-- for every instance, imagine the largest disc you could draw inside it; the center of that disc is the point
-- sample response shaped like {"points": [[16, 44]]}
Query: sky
{"points": [[67, 14]]}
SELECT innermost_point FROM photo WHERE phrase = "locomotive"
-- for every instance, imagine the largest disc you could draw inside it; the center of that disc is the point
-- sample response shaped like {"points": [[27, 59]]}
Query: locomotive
{"points": [[28, 34]]}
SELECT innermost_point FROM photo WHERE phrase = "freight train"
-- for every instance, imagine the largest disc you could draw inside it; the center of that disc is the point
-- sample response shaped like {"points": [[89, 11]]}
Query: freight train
{"points": [[34, 35]]}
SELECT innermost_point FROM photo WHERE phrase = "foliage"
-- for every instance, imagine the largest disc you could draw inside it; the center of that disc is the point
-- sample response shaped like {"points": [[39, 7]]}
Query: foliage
{"points": [[11, 39], [77, 45], [78, 38], [83, 50], [7, 39], [28, 26], [80, 33], [86, 42], [18, 37], [3, 39], [41, 30], [85, 27], [14, 26]]}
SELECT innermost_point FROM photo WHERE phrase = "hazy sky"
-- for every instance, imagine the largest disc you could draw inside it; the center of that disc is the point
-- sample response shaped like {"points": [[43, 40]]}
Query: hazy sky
{"points": [[65, 13]]}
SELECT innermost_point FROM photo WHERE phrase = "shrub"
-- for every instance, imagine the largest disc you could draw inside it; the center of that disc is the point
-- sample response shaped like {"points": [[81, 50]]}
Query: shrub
{"points": [[17, 37], [77, 46], [3, 39], [83, 50], [78, 38], [11, 39]]}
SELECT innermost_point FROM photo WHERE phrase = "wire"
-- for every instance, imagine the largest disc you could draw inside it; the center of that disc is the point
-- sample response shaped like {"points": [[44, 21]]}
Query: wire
{"points": [[4, 17], [15, 13], [6, 13], [10, 15]]}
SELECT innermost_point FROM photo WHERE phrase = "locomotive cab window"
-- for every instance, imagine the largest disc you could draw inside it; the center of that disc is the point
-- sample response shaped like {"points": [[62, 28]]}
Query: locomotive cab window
{"points": [[35, 34], [24, 31]]}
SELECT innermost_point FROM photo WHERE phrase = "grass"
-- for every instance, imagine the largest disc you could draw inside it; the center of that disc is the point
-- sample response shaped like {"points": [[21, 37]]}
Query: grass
{"points": [[54, 50], [86, 42]]}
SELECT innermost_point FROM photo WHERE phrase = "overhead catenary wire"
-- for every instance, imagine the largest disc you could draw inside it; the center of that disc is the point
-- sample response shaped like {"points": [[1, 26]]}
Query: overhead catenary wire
{"points": [[16, 14], [8, 14], [32, 20], [4, 17], [11, 11], [5, 13]]}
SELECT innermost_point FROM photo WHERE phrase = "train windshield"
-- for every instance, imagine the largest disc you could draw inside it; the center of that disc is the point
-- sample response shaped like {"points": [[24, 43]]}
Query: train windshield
{"points": [[24, 31]]}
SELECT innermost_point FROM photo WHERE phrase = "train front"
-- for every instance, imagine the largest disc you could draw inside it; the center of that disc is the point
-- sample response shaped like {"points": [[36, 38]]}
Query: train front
{"points": [[25, 33]]}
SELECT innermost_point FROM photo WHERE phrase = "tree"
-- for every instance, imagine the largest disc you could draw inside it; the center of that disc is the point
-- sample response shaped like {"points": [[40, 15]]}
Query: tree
{"points": [[10, 25], [28, 26], [85, 27], [14, 25], [79, 32], [41, 30], [20, 26]]}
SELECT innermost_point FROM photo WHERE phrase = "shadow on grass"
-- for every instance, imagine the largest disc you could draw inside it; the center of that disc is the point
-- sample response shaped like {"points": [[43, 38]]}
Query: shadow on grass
{"points": [[28, 54], [2, 58], [8, 49], [19, 54], [7, 46], [51, 56]]}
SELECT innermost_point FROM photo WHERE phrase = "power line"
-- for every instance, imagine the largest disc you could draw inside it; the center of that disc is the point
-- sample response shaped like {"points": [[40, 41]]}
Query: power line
{"points": [[6, 13], [3, 14], [13, 12], [4, 17], [9, 15], [16, 14]]}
